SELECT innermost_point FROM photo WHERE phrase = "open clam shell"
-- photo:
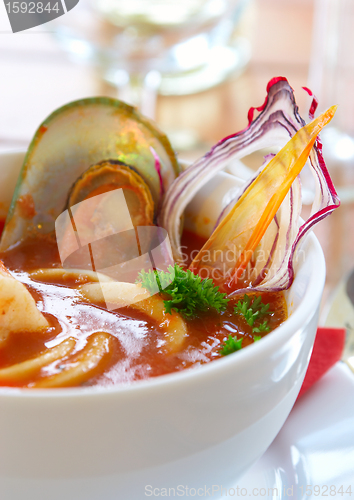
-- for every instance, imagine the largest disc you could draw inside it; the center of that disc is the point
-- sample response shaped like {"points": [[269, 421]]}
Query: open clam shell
{"points": [[67, 143]]}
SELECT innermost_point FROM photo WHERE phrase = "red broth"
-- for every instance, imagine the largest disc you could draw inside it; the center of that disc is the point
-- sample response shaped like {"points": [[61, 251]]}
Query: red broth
{"points": [[138, 344]]}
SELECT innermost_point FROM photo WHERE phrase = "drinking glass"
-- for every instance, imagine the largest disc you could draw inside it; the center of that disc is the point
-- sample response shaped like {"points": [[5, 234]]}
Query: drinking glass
{"points": [[331, 78], [145, 47]]}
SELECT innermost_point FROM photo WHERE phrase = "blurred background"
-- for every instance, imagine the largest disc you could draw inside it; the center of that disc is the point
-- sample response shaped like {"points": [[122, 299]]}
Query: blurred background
{"points": [[197, 70]]}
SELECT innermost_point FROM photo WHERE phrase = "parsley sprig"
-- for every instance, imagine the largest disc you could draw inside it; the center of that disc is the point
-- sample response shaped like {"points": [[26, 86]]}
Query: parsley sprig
{"points": [[188, 293], [232, 344], [252, 311], [263, 327]]}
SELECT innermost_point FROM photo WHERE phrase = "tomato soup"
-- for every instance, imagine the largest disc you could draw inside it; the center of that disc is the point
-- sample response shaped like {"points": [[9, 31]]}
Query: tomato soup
{"points": [[137, 343]]}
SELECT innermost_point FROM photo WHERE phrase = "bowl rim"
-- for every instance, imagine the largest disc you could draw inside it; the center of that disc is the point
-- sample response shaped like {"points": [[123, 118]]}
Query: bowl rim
{"points": [[298, 319]]}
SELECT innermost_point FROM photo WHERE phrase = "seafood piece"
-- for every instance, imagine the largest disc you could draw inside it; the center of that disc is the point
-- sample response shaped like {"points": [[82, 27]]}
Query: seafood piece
{"points": [[109, 175], [18, 310], [67, 143], [119, 294]]}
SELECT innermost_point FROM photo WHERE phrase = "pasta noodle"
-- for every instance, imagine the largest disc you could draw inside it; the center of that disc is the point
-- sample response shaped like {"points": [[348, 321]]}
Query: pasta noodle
{"points": [[78, 274], [29, 368], [117, 294], [88, 363]]}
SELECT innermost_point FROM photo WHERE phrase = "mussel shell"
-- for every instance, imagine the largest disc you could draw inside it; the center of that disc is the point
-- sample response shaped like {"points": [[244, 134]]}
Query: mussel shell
{"points": [[67, 143], [114, 174]]}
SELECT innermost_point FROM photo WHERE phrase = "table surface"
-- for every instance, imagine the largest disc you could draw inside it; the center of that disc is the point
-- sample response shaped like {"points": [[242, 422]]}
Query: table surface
{"points": [[37, 77]]}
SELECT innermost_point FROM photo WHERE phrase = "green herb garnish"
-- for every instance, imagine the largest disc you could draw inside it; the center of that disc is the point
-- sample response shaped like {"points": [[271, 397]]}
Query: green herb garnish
{"points": [[253, 311], [263, 327], [232, 344], [257, 337], [188, 293]]}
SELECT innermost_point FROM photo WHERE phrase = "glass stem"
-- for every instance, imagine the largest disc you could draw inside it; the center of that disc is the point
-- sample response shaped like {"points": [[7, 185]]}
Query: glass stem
{"points": [[139, 90]]}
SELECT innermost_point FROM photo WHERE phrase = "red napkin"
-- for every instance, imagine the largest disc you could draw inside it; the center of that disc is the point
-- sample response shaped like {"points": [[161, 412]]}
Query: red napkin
{"points": [[327, 350]]}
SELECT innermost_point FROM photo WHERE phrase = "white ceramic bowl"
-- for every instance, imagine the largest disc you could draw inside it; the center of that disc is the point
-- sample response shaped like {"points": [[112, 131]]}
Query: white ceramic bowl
{"points": [[199, 428]]}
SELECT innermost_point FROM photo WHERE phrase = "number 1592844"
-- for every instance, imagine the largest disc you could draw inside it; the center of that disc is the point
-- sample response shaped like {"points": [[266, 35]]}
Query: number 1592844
{"points": [[326, 491], [31, 7]]}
